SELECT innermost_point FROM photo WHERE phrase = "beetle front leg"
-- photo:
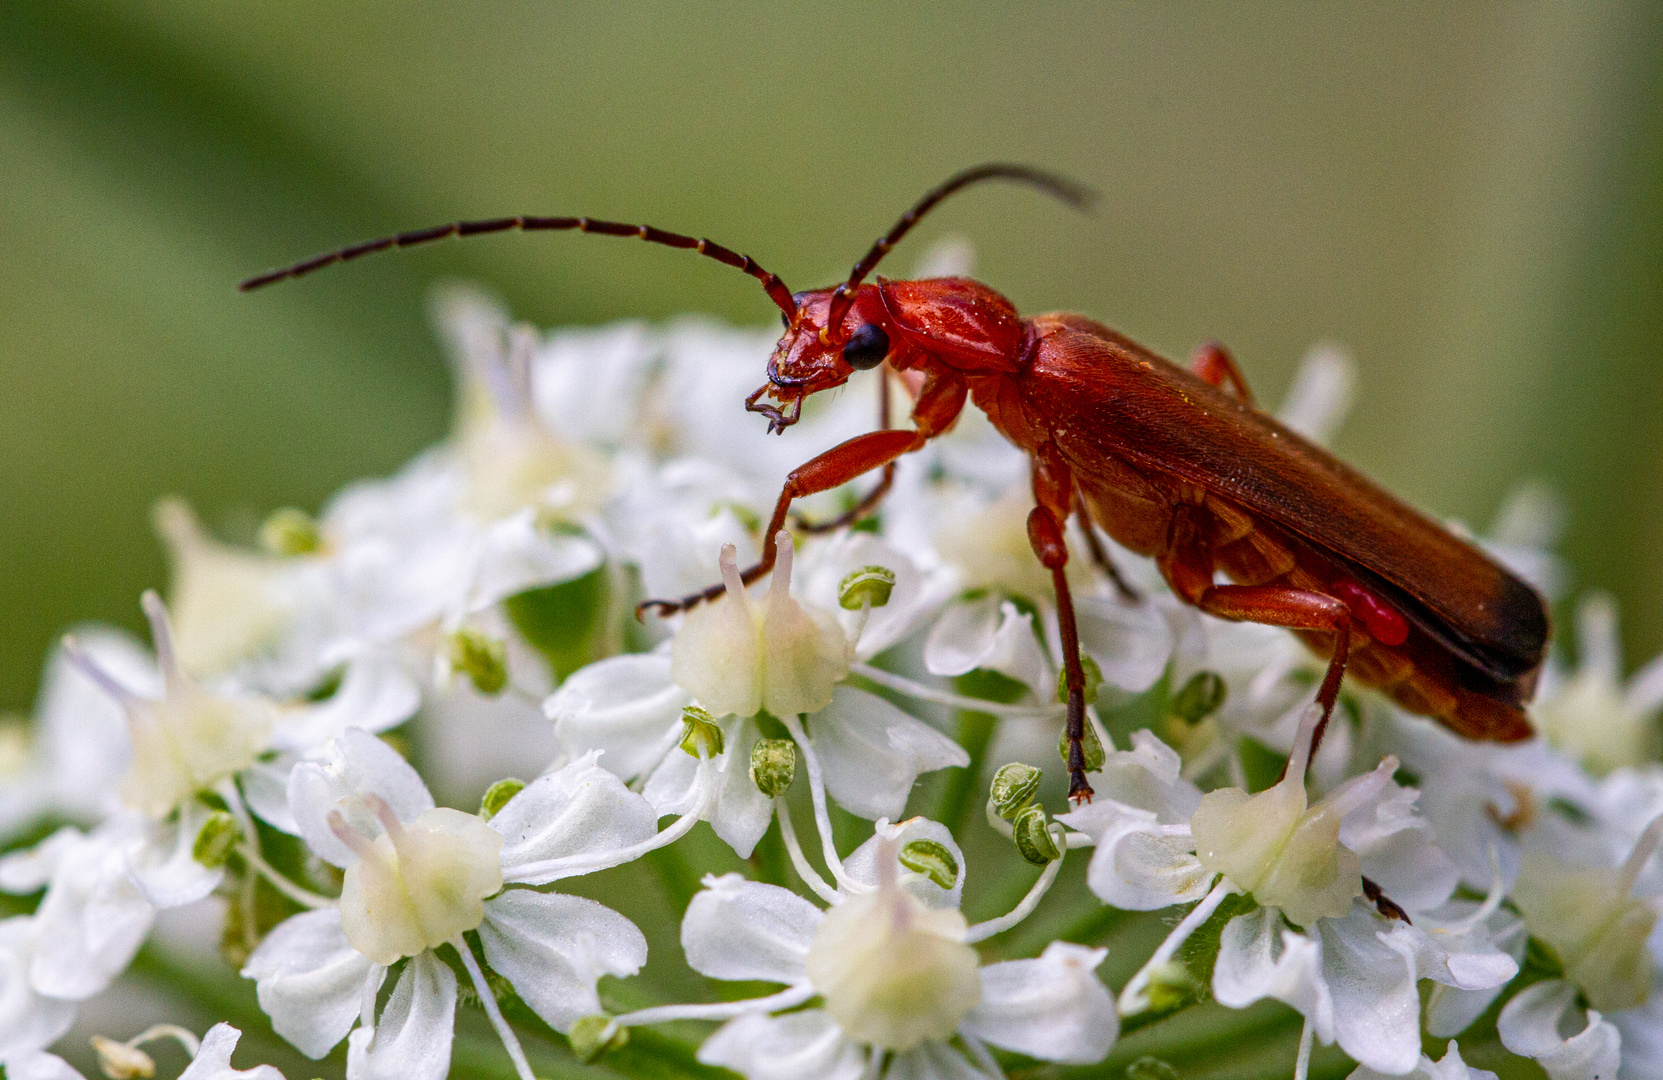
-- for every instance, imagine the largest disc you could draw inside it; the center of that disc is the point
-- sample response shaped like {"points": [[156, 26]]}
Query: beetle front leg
{"points": [[1046, 536], [872, 498], [835, 467]]}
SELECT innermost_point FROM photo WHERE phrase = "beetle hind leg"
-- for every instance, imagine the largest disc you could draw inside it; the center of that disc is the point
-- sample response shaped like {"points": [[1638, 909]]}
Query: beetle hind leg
{"points": [[1100, 554]]}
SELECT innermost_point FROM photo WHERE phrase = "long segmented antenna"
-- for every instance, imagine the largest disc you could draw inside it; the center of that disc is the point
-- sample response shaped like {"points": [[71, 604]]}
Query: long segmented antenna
{"points": [[1076, 195], [776, 289]]}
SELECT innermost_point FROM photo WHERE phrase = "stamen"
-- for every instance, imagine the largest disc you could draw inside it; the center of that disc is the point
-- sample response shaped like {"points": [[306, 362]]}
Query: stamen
{"points": [[161, 635], [389, 821], [913, 689], [662, 1014], [1644, 848], [1132, 997], [799, 860], [1302, 1065], [86, 665], [488, 1000], [184, 1037], [984, 930], [822, 817], [346, 834], [1301, 756]]}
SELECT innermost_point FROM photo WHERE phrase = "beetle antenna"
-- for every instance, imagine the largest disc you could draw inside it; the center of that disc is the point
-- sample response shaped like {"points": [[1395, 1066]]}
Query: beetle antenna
{"points": [[777, 292], [1074, 194]]}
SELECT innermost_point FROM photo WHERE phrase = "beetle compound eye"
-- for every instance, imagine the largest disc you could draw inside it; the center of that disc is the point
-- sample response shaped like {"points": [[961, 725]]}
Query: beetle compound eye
{"points": [[866, 348]]}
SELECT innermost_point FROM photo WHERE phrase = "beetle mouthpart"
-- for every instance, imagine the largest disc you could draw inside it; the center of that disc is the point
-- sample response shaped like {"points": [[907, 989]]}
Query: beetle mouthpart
{"points": [[778, 420]]}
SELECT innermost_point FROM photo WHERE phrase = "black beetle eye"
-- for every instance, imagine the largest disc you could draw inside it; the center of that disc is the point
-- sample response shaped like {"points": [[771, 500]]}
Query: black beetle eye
{"points": [[866, 348]]}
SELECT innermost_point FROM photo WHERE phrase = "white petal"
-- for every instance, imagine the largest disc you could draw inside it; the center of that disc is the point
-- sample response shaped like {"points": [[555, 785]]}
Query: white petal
{"points": [[824, 563], [1135, 867], [1321, 393], [575, 809], [515, 555], [165, 867], [737, 929], [1396, 846], [213, 1060], [871, 752], [29, 870], [38, 1066], [1450, 1068], [1130, 642], [357, 764], [963, 636], [1372, 983], [1470, 956], [309, 980], [1146, 777], [742, 813], [554, 949], [789, 1047], [1053, 1008], [265, 788], [933, 1060], [28, 1021], [83, 729], [412, 1039], [91, 922], [862, 864], [623, 705], [1258, 958], [376, 693], [1529, 1025]]}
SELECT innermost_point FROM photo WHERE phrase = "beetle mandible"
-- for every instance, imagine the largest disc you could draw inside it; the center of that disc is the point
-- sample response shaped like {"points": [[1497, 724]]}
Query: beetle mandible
{"points": [[1172, 463]]}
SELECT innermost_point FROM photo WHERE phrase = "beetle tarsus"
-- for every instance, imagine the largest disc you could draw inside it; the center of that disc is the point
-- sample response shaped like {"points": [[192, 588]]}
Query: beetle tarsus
{"points": [[1384, 904]]}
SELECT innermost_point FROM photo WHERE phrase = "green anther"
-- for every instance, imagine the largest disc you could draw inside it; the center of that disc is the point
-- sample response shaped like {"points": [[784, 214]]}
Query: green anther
{"points": [[219, 835], [1013, 789], [773, 766], [700, 735], [1090, 744], [1200, 697], [1149, 1067], [593, 1036], [483, 659], [932, 859], [1033, 837], [870, 585], [497, 796], [289, 532], [1094, 680]]}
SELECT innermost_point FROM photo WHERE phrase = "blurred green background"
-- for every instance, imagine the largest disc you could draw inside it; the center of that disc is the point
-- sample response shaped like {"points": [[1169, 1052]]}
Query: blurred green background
{"points": [[1469, 197]]}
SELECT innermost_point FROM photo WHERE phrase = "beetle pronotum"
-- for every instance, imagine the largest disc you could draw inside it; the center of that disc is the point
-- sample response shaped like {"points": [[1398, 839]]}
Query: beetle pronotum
{"points": [[1176, 464]]}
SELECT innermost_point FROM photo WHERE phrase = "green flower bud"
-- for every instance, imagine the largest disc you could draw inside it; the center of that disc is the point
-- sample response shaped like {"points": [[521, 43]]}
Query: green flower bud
{"points": [[1033, 838], [593, 1036], [218, 837], [700, 737], [1172, 987], [289, 532], [483, 659], [497, 796], [1090, 744], [868, 585], [773, 766], [1199, 698], [932, 859], [1013, 789], [1094, 680]]}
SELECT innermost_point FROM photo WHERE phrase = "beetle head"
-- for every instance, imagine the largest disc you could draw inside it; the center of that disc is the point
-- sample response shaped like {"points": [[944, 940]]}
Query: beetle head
{"points": [[812, 356]]}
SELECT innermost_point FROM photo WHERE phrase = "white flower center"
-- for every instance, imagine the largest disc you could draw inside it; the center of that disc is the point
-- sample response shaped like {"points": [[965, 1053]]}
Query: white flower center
{"points": [[893, 972], [1598, 929], [228, 604], [1591, 718], [187, 742], [739, 657], [991, 548], [514, 464], [417, 885], [1279, 848]]}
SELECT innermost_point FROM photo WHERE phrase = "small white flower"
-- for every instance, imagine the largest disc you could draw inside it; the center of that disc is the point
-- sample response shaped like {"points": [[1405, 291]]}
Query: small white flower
{"points": [[1449, 1067], [420, 878], [29, 1020], [1591, 714]]}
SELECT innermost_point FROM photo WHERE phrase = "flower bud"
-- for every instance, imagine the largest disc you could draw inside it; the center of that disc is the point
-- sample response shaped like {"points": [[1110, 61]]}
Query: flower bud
{"points": [[1094, 680], [497, 796], [1033, 837], [593, 1036], [1090, 744], [1013, 789], [773, 766], [1149, 1067], [290, 532], [700, 737], [870, 585], [483, 659], [1199, 698], [118, 1061], [219, 835], [932, 859]]}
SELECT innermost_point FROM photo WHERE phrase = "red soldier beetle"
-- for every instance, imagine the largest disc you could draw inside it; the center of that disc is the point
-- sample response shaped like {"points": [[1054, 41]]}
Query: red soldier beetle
{"points": [[1172, 463]]}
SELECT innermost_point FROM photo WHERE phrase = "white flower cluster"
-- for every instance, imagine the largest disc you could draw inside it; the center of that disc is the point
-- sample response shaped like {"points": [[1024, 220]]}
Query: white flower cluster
{"points": [[1395, 885]]}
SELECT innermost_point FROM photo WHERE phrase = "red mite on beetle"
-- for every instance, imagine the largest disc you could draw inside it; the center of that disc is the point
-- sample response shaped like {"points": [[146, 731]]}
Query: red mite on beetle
{"points": [[1172, 463]]}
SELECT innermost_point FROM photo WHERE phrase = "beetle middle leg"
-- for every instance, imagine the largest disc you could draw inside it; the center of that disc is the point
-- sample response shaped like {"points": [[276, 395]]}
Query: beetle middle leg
{"points": [[1100, 554], [1046, 536], [1187, 565]]}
